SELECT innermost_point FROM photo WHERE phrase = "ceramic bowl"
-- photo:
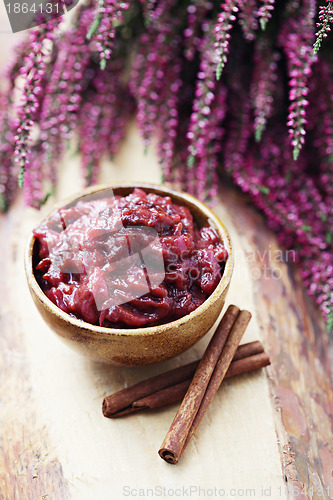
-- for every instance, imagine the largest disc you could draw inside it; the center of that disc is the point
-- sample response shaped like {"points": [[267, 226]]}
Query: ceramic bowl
{"points": [[137, 346]]}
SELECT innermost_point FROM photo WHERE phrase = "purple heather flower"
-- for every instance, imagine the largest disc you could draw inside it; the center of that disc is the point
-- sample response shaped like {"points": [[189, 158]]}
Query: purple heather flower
{"points": [[321, 126], [248, 18], [264, 82], [33, 180], [102, 120], [149, 10], [69, 78], [103, 29], [153, 83], [222, 28], [202, 127], [8, 127], [203, 99], [324, 25], [196, 12], [167, 121], [8, 172], [33, 71], [206, 161], [265, 12], [296, 38]]}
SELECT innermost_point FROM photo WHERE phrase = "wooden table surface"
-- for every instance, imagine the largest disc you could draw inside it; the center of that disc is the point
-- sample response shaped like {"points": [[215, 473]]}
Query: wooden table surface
{"points": [[267, 434]]}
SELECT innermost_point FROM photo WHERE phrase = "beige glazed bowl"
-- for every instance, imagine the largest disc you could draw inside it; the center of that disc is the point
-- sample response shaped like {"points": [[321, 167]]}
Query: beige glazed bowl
{"points": [[138, 346]]}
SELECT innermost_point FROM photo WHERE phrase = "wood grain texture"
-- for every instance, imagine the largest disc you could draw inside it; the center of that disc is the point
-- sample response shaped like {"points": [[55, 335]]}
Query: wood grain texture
{"points": [[29, 468], [297, 342]]}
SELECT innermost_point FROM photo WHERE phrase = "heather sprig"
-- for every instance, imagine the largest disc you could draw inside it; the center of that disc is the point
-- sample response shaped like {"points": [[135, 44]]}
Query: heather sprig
{"points": [[69, 79], [148, 7], [109, 14], [33, 180], [297, 39], [8, 174], [324, 25], [196, 12], [167, 121], [203, 98], [223, 26], [8, 127], [154, 80], [265, 12], [264, 81], [248, 18], [33, 72], [321, 125], [206, 161], [166, 56], [294, 208], [102, 120]]}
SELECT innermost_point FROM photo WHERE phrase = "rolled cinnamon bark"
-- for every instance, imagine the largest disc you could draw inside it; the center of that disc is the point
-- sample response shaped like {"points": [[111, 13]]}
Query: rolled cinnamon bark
{"points": [[249, 349], [206, 381], [248, 364], [177, 392], [173, 444], [165, 397], [116, 404], [221, 369], [120, 403], [167, 387]]}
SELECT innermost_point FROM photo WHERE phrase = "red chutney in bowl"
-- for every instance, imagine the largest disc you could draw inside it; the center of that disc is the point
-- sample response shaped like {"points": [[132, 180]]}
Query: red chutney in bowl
{"points": [[127, 262]]}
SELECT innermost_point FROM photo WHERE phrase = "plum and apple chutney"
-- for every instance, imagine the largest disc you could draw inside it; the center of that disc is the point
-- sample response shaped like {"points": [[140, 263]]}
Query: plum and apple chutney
{"points": [[127, 262]]}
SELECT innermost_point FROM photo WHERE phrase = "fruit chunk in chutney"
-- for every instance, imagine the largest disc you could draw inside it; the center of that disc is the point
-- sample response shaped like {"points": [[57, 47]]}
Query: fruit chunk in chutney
{"points": [[82, 250]]}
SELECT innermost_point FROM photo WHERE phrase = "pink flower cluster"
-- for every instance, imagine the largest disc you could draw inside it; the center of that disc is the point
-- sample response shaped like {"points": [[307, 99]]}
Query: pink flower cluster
{"points": [[155, 81], [225, 89], [265, 12], [102, 119], [229, 8], [248, 19], [326, 19], [296, 40], [33, 71], [103, 29], [264, 83]]}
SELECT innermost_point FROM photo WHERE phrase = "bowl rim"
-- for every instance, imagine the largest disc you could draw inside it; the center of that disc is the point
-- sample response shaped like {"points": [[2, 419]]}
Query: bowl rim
{"points": [[147, 330]]}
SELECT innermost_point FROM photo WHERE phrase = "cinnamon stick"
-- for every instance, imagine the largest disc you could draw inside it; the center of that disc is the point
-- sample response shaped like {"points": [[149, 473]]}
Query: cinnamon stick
{"points": [[117, 404], [177, 392], [171, 386], [220, 369], [173, 444], [205, 383]]}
